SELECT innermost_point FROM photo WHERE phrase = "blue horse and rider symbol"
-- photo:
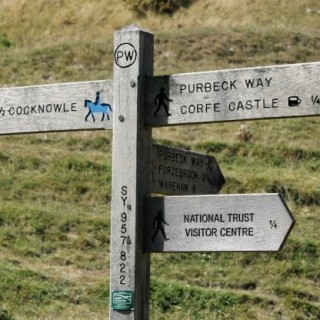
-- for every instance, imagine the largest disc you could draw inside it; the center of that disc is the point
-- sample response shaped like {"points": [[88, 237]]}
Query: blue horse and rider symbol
{"points": [[97, 107]]}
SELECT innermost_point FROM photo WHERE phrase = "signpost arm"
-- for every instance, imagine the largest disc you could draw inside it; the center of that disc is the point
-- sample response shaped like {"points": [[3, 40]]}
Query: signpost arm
{"points": [[129, 266]]}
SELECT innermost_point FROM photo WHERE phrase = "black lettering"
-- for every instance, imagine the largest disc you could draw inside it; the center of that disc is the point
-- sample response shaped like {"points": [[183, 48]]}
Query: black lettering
{"points": [[124, 190], [236, 232], [199, 108], [233, 85], [315, 100], [65, 109], [26, 110], [184, 109], [182, 87], [249, 104], [122, 267], [191, 86], [48, 108], [57, 107], [268, 80], [216, 107], [232, 106], [129, 55], [259, 83], [224, 85], [19, 110], [33, 109], [119, 55], [240, 217], [201, 232], [41, 108], [274, 103], [240, 106], [124, 199], [249, 83], [253, 104], [199, 87], [207, 87]]}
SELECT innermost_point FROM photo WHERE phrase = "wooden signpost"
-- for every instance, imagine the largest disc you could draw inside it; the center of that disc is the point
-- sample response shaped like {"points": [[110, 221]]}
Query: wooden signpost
{"points": [[131, 106], [176, 171], [241, 94], [142, 224], [56, 107], [246, 222], [129, 267]]}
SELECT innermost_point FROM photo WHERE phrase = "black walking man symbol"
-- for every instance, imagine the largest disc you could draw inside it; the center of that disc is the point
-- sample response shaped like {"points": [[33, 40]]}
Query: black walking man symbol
{"points": [[158, 225], [161, 99]]}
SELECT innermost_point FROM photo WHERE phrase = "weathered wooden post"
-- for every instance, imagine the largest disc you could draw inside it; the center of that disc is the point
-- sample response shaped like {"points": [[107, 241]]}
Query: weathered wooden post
{"points": [[129, 267]]}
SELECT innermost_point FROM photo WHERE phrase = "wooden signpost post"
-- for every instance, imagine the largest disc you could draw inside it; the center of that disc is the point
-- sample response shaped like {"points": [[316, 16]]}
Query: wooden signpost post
{"points": [[129, 267], [131, 106]]}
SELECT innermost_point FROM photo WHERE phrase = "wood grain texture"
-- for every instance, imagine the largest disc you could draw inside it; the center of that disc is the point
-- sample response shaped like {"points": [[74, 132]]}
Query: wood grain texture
{"points": [[230, 95], [54, 107], [181, 172], [129, 266], [242, 222]]}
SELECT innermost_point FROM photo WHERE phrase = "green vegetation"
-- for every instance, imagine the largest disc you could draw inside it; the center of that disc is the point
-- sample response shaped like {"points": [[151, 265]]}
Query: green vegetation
{"points": [[142, 7], [56, 188]]}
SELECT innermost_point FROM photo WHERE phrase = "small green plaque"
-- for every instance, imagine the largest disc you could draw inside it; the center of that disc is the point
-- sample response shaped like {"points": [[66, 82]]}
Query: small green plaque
{"points": [[122, 300]]}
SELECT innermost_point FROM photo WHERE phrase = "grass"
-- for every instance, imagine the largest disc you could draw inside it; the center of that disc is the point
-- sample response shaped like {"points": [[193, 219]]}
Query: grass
{"points": [[56, 187]]}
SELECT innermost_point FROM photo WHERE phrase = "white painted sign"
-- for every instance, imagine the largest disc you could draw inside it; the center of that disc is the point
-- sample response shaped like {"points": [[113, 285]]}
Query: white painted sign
{"points": [[56, 107], [244, 222], [239, 94], [180, 172]]}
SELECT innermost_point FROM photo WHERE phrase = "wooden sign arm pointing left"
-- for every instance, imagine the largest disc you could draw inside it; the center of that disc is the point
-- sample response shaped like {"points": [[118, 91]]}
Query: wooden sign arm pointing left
{"points": [[56, 107]]}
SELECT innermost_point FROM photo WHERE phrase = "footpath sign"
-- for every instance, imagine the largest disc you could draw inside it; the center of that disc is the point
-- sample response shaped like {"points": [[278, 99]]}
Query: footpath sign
{"points": [[176, 171], [56, 107], [240, 94], [246, 222]]}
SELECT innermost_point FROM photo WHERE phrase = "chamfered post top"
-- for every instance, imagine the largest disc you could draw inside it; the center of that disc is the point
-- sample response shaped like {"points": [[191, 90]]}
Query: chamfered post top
{"points": [[133, 28]]}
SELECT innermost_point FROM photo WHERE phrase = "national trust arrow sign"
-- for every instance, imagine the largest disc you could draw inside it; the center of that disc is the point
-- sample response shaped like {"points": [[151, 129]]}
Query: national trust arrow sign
{"points": [[56, 107], [239, 94], [244, 222], [176, 172]]}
